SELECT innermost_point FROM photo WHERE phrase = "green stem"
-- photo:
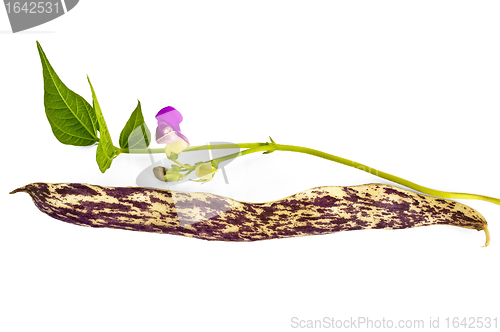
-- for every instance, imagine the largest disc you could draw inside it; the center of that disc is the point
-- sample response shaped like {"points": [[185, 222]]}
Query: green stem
{"points": [[262, 147], [183, 165], [270, 147], [196, 148], [386, 176]]}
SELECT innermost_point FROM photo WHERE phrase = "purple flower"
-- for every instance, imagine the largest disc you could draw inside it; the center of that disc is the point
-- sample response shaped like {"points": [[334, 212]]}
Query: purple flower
{"points": [[168, 130]]}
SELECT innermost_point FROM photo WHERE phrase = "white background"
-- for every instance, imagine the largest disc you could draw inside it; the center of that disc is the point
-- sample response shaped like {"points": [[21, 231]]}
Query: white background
{"points": [[409, 88]]}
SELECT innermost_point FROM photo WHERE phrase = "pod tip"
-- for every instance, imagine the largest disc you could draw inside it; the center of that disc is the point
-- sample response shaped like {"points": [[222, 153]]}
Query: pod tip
{"points": [[18, 190], [487, 233]]}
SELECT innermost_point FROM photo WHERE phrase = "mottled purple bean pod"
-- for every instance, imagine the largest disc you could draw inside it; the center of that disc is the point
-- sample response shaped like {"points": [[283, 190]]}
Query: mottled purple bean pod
{"points": [[316, 211]]}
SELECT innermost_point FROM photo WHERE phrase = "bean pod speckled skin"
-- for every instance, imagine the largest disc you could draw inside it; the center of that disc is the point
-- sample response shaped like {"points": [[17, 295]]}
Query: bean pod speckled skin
{"points": [[207, 216]]}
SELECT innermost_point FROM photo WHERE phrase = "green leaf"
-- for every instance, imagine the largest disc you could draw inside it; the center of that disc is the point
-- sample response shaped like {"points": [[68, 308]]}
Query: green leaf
{"points": [[135, 134], [106, 151], [72, 119]]}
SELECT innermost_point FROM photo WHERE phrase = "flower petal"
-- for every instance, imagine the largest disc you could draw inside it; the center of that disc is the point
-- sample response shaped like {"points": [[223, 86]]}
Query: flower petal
{"points": [[169, 138], [168, 129], [184, 138], [169, 116], [205, 171], [177, 146]]}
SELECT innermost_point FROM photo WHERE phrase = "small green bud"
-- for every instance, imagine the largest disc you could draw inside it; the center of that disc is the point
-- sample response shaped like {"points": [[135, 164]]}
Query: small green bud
{"points": [[205, 171], [174, 149], [173, 156], [173, 175]]}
